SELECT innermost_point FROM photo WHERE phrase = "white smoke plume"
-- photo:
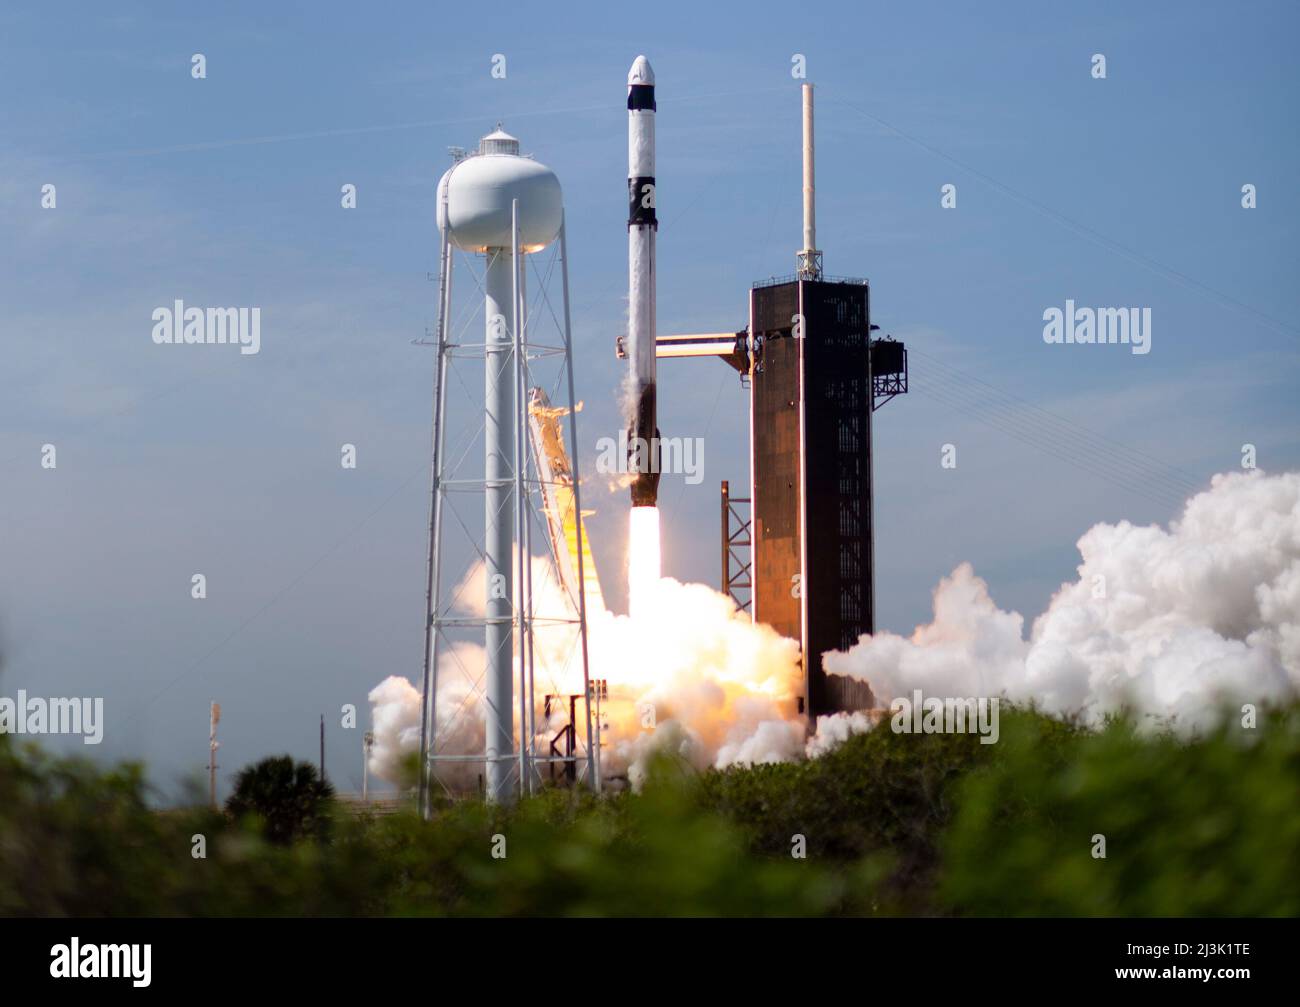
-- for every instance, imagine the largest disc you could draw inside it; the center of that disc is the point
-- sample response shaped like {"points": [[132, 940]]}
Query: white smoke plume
{"points": [[834, 730], [689, 674], [395, 715], [1169, 623]]}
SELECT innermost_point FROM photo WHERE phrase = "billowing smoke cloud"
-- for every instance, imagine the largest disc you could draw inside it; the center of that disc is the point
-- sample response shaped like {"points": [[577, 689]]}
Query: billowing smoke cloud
{"points": [[688, 675], [1169, 623], [395, 713]]}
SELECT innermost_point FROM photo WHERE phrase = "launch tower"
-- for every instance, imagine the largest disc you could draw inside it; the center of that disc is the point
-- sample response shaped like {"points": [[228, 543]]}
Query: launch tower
{"points": [[816, 375]]}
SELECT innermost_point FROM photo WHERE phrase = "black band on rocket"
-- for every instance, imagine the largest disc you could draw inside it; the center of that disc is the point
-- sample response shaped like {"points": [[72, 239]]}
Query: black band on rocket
{"points": [[640, 192], [640, 97]]}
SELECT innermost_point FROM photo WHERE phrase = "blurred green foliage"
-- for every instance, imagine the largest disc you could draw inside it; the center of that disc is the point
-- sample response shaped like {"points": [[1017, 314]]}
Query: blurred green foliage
{"points": [[1207, 828], [891, 823], [880, 800]]}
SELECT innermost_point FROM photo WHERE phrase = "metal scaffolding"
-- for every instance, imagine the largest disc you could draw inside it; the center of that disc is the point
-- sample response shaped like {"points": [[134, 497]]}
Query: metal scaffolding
{"points": [[514, 765]]}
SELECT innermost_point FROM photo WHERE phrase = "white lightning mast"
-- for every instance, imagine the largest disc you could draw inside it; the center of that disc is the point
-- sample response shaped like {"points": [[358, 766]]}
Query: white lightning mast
{"points": [[808, 261]]}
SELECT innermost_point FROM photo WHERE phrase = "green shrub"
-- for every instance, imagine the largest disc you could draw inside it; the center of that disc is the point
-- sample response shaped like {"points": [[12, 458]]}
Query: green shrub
{"points": [[881, 796], [568, 854], [892, 824], [1209, 826]]}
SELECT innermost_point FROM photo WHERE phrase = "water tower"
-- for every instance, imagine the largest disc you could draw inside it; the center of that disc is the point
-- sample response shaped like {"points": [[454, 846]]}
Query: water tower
{"points": [[505, 207]]}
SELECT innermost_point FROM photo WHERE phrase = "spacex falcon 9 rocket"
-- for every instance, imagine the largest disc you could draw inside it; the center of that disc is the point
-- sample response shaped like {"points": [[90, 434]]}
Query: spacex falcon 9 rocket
{"points": [[643, 434]]}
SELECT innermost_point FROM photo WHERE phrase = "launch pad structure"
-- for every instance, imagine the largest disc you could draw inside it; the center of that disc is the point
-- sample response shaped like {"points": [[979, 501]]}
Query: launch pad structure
{"points": [[816, 378], [802, 558]]}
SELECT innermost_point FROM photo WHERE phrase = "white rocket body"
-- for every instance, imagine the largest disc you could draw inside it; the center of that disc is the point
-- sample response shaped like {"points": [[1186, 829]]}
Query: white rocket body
{"points": [[642, 225]]}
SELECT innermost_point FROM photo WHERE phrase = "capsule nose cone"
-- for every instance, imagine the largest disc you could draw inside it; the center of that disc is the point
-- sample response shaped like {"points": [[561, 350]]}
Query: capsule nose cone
{"points": [[641, 72]]}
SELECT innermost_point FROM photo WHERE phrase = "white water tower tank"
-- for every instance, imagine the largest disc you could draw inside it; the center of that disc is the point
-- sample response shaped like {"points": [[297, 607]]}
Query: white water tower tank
{"points": [[475, 194]]}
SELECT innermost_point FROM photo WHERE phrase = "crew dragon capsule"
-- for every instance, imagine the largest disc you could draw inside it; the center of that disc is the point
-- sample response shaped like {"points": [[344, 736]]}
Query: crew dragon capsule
{"points": [[643, 433]]}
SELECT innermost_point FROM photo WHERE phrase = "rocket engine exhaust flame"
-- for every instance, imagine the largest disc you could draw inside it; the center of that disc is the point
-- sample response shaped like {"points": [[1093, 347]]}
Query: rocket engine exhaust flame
{"points": [[643, 561]]}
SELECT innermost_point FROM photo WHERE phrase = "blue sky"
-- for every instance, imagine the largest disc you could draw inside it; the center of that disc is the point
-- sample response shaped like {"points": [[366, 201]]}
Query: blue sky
{"points": [[1117, 192]]}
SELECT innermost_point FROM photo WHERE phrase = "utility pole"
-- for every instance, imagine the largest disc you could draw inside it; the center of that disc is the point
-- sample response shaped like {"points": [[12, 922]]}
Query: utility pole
{"points": [[322, 748], [599, 691], [367, 744], [214, 717]]}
